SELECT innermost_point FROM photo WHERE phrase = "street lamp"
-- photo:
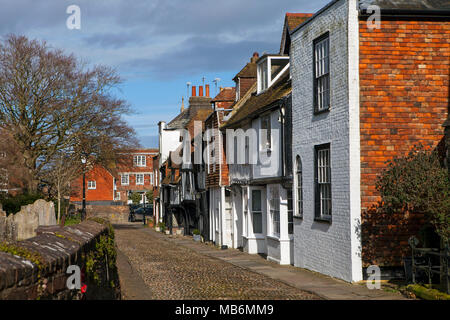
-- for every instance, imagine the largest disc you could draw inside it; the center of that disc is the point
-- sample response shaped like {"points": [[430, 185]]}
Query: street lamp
{"points": [[83, 209]]}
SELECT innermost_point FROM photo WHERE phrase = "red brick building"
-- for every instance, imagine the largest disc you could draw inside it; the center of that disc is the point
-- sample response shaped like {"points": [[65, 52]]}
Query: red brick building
{"points": [[404, 100], [362, 95], [99, 186], [132, 172]]}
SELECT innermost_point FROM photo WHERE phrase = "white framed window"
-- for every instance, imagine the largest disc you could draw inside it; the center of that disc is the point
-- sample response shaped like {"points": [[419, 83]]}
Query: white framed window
{"points": [[139, 178], [274, 204], [323, 182], [139, 161], [269, 70], [257, 221], [263, 82], [92, 185], [125, 179], [117, 197], [299, 186], [322, 73]]}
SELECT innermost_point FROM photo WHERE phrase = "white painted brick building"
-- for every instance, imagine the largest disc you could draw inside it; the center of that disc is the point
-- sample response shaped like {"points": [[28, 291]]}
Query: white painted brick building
{"points": [[328, 244]]}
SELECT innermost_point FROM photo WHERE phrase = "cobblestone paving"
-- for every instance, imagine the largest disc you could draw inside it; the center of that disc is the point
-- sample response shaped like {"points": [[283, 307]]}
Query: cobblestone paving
{"points": [[176, 272]]}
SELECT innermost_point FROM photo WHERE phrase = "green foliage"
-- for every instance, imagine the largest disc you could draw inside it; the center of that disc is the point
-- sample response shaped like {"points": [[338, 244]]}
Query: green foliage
{"points": [[196, 232], [427, 293], [12, 205], [17, 250], [135, 197], [101, 262], [418, 183], [162, 226], [72, 219]]}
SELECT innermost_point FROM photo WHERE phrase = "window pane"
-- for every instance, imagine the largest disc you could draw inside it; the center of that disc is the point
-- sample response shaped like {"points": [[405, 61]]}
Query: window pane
{"points": [[256, 200], [257, 222]]}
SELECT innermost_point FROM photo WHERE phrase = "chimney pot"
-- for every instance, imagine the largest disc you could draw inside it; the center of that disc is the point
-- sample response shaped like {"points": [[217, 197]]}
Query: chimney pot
{"points": [[200, 91], [207, 90], [194, 91], [254, 57]]}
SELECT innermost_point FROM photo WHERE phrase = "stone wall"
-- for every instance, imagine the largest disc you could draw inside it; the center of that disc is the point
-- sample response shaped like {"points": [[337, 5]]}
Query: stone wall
{"points": [[36, 268], [23, 224], [115, 214]]}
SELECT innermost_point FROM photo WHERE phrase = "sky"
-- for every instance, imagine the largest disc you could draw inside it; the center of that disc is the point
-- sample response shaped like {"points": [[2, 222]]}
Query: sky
{"points": [[157, 46]]}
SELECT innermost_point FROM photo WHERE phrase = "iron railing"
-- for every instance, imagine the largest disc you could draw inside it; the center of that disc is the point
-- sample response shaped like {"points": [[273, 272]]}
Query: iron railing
{"points": [[424, 259]]}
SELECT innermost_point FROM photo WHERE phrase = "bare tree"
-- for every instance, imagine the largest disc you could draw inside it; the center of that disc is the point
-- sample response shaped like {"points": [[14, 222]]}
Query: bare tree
{"points": [[61, 171], [50, 102]]}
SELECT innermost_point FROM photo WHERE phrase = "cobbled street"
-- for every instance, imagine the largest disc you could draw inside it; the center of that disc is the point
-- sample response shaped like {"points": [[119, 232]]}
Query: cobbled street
{"points": [[152, 267]]}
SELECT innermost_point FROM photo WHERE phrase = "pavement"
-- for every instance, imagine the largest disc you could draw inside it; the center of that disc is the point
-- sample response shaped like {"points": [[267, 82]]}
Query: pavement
{"points": [[176, 267]]}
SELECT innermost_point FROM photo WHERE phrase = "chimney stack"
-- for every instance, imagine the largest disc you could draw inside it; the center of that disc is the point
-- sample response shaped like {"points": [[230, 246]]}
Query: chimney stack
{"points": [[200, 91], [207, 90], [255, 57], [194, 91]]}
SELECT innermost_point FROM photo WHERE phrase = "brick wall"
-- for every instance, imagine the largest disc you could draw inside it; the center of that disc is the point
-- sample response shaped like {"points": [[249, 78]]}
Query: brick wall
{"points": [[104, 186], [244, 85], [404, 99]]}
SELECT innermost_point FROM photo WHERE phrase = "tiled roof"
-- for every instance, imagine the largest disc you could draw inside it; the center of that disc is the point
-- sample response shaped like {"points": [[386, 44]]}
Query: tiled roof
{"points": [[227, 94], [256, 103], [189, 114], [295, 19], [249, 71]]}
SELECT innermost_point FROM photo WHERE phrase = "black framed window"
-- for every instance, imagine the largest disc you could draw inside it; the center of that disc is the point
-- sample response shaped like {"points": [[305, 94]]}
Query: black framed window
{"points": [[299, 185], [323, 182], [290, 209], [322, 73]]}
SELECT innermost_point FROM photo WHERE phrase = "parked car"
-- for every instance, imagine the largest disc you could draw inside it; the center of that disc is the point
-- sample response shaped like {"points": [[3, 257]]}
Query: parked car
{"points": [[140, 213]]}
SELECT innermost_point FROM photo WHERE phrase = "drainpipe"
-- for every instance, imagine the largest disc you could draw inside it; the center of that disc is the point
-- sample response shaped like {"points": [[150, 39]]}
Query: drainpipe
{"points": [[282, 109]]}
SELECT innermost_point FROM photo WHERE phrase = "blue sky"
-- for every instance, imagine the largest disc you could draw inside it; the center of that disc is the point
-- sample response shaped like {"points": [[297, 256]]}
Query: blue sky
{"points": [[157, 46]]}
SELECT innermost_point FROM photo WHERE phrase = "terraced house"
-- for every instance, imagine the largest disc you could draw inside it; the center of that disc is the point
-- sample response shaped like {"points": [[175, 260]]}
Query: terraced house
{"points": [[362, 95], [261, 175], [177, 196], [223, 228]]}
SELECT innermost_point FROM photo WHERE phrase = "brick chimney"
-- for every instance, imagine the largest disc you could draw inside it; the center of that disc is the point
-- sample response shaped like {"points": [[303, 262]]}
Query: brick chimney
{"points": [[194, 91], [254, 57]]}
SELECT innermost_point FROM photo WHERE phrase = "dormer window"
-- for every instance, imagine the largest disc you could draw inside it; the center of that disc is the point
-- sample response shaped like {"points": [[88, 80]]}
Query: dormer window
{"points": [[270, 69]]}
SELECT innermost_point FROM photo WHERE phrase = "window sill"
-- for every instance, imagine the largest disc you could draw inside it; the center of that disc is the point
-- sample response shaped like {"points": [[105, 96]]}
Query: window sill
{"points": [[323, 219], [317, 112], [298, 217], [255, 237], [273, 237]]}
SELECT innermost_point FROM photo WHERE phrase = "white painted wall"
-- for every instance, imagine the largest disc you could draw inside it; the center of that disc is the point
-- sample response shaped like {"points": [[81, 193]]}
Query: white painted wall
{"points": [[271, 167], [329, 248], [169, 140]]}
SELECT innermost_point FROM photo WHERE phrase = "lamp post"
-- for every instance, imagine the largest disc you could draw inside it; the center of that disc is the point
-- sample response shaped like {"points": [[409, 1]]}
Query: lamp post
{"points": [[83, 209]]}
